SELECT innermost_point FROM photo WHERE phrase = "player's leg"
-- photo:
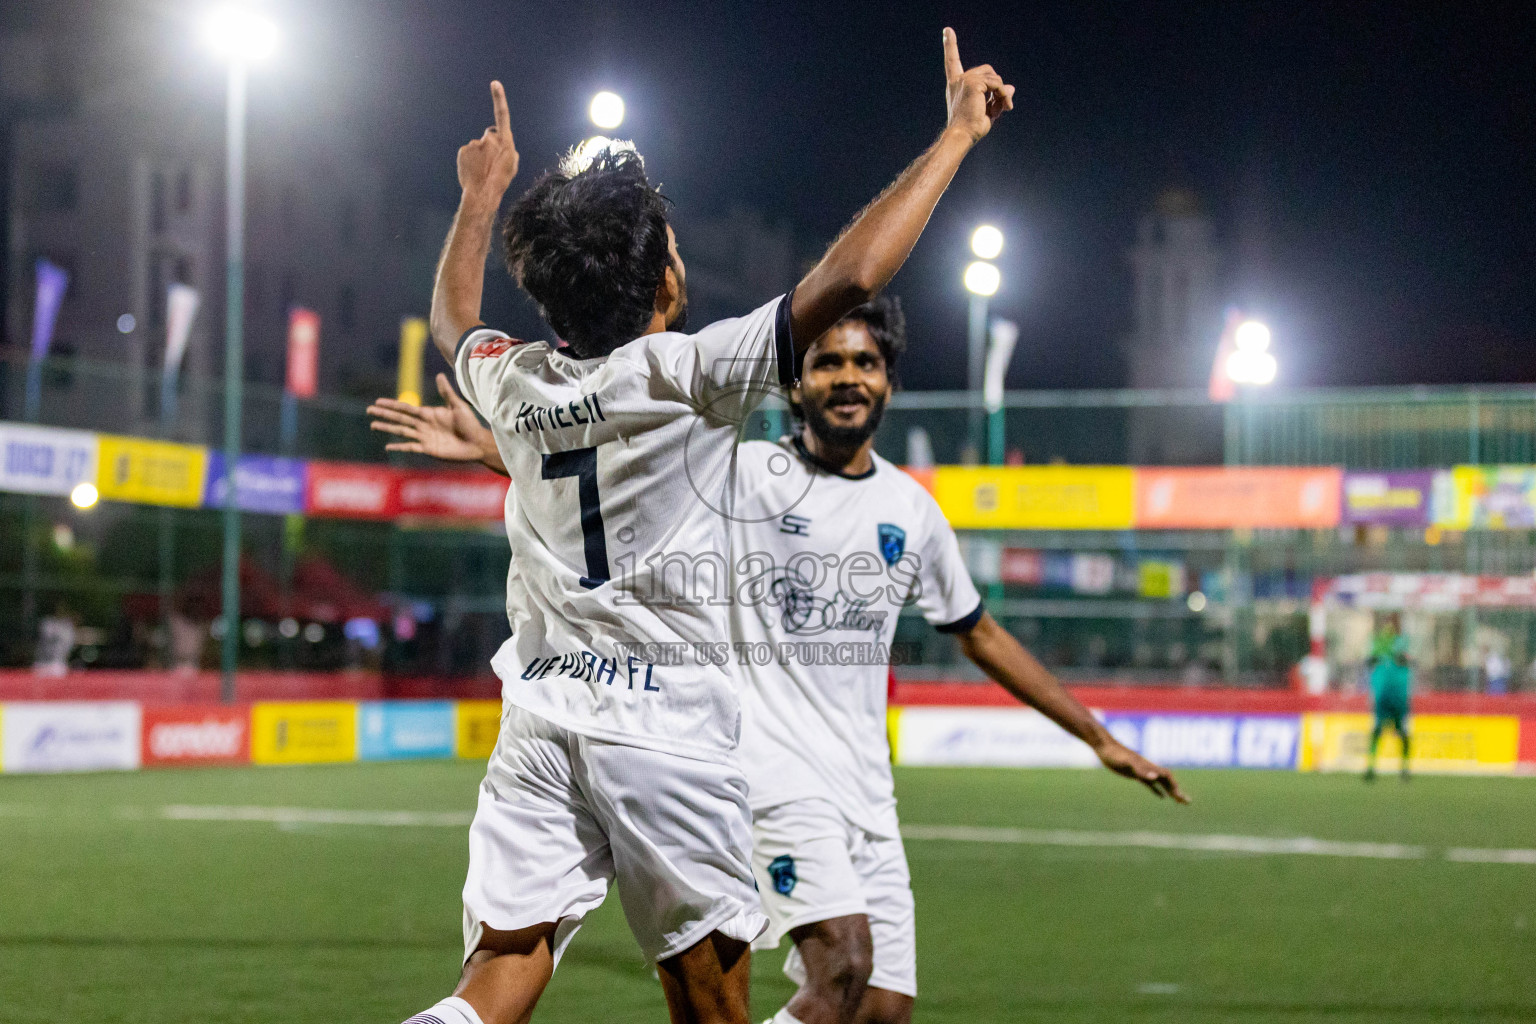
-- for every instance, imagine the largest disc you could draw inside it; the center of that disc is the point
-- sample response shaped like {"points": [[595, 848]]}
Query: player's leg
{"points": [[1370, 753], [887, 884], [1400, 723], [538, 863], [680, 833], [835, 958]]}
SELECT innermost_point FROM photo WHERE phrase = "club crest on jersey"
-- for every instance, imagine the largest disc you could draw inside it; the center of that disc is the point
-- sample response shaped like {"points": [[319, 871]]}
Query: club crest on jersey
{"points": [[492, 348], [893, 542], [782, 870]]}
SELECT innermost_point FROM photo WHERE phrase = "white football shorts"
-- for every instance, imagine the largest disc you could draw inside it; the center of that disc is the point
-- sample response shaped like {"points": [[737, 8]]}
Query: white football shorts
{"points": [[813, 864], [561, 815]]}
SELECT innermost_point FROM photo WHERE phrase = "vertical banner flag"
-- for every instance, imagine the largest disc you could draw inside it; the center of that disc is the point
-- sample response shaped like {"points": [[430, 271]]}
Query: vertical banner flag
{"points": [[1005, 334], [180, 309], [303, 352], [1221, 387], [51, 282], [413, 342]]}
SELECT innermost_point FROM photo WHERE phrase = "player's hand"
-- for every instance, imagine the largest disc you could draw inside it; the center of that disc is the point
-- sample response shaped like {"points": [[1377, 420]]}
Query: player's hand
{"points": [[1122, 760], [449, 432], [976, 97], [488, 164]]}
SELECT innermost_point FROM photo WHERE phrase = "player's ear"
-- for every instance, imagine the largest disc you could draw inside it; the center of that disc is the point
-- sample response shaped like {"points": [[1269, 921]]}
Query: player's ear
{"points": [[668, 290]]}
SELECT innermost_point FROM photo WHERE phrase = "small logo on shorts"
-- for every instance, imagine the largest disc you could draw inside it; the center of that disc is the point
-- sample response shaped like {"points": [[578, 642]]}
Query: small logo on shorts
{"points": [[782, 871]]}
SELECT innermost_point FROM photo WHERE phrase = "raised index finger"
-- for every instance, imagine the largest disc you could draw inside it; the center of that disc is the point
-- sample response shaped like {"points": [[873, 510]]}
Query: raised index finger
{"points": [[953, 69], [499, 103]]}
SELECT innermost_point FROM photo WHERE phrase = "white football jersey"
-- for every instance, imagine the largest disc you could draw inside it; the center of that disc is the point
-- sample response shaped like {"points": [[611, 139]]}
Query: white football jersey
{"points": [[622, 465], [824, 565]]}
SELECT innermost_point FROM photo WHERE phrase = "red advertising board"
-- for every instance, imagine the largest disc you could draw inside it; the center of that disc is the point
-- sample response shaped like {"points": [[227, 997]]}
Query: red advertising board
{"points": [[303, 352], [1236, 497], [453, 495], [1021, 565], [189, 734], [352, 490], [1527, 755]]}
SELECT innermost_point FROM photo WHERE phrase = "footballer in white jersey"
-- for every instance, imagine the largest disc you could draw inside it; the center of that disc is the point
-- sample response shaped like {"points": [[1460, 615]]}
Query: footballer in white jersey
{"points": [[616, 764]]}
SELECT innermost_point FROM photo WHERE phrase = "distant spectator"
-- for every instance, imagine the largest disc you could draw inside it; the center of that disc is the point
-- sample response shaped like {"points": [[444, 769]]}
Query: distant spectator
{"points": [[1496, 670], [55, 641]]}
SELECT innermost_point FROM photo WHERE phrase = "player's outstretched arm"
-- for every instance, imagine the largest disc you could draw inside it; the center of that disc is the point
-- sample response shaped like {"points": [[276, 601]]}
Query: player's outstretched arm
{"points": [[449, 432], [1000, 656], [870, 250], [487, 166]]}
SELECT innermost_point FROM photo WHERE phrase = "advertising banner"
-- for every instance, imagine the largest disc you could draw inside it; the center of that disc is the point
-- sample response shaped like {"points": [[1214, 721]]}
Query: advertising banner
{"points": [[303, 732], [303, 352], [1021, 565], [1035, 497], [392, 730], [477, 723], [453, 495], [1210, 741], [1157, 578], [1492, 498], [45, 460], [267, 484], [68, 736], [1402, 498], [196, 734], [352, 490], [1463, 744], [1237, 497], [1002, 737], [151, 472]]}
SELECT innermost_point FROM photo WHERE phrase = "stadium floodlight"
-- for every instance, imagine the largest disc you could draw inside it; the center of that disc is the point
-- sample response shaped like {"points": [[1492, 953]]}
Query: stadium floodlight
{"points": [[84, 496], [607, 110], [239, 34], [987, 242], [1252, 362], [983, 279]]}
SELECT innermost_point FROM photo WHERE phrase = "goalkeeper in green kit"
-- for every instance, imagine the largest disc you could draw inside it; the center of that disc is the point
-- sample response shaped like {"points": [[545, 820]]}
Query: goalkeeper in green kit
{"points": [[1390, 674]]}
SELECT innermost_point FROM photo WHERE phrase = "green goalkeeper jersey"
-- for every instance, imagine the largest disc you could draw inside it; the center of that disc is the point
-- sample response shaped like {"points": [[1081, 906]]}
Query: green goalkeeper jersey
{"points": [[1389, 673]]}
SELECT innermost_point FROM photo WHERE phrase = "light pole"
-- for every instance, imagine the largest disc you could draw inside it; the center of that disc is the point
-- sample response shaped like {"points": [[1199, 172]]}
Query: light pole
{"points": [[982, 280], [241, 37], [1249, 364]]}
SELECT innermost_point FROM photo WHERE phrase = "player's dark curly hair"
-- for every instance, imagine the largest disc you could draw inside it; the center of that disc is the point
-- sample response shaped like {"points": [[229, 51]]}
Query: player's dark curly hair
{"points": [[589, 244]]}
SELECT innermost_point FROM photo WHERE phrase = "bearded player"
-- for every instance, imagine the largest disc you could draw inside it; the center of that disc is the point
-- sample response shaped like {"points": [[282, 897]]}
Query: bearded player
{"points": [[610, 767]]}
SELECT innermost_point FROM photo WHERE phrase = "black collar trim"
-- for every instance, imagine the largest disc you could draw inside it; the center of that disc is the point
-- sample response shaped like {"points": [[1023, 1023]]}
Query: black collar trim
{"points": [[805, 453]]}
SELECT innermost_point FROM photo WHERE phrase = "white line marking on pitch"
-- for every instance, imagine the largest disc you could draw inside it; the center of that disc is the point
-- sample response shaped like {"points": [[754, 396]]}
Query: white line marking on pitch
{"points": [[1304, 846]]}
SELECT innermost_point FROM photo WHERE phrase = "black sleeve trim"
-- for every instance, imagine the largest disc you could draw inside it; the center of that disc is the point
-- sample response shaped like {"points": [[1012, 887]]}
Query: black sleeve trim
{"points": [[784, 344], [465, 337], [966, 624]]}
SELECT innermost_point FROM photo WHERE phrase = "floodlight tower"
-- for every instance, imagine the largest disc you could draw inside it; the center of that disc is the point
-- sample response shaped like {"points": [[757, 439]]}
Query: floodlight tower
{"points": [[982, 279], [242, 37], [606, 110]]}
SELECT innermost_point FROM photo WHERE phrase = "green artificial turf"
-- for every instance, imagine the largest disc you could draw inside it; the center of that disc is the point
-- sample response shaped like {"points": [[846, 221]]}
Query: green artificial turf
{"points": [[111, 913]]}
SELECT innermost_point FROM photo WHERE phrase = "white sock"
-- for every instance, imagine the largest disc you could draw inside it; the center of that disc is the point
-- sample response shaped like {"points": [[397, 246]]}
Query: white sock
{"points": [[783, 1017], [452, 1010]]}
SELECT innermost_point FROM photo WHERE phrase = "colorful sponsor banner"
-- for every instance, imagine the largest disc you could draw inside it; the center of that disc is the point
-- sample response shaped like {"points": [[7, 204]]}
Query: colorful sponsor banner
{"points": [[151, 472], [1237, 497], [69, 736], [1021, 565], [45, 460], [1403, 498], [1210, 741], [350, 490], [266, 484], [1035, 497], [196, 734], [1157, 578], [477, 495], [1003, 737], [303, 732], [477, 723], [1492, 498], [1527, 751], [391, 730], [1466, 744]]}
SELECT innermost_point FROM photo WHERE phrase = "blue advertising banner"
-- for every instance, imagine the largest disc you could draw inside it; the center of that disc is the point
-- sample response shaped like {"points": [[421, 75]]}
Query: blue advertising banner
{"points": [[1210, 741], [391, 730], [45, 460], [267, 484]]}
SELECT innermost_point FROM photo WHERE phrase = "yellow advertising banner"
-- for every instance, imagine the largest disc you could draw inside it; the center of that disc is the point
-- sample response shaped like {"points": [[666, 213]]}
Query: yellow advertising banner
{"points": [[151, 472], [476, 726], [1490, 498], [303, 732], [1463, 744], [1035, 497]]}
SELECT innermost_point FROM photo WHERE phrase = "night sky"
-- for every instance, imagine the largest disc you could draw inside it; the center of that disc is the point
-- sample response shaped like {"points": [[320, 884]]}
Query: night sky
{"points": [[1374, 163]]}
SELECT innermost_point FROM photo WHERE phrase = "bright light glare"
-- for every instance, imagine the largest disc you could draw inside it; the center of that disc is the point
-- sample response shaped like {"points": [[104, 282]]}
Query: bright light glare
{"points": [[1252, 336], [607, 110], [238, 33], [1196, 602], [982, 279], [987, 242], [84, 495], [1251, 366]]}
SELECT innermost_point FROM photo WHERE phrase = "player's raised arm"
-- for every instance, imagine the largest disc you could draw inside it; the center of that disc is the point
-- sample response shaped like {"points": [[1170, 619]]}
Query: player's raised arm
{"points": [[1002, 657], [487, 166], [449, 432], [870, 250]]}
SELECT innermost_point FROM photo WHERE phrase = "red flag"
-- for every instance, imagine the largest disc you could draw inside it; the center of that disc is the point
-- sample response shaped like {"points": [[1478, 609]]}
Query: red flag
{"points": [[1222, 388], [303, 352]]}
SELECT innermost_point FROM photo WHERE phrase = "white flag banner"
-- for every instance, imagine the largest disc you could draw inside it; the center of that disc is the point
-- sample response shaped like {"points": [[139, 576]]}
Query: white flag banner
{"points": [[1005, 334], [180, 308]]}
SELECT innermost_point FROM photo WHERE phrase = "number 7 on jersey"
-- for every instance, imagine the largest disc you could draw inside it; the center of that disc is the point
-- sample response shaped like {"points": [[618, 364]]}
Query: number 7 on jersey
{"points": [[581, 463]]}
